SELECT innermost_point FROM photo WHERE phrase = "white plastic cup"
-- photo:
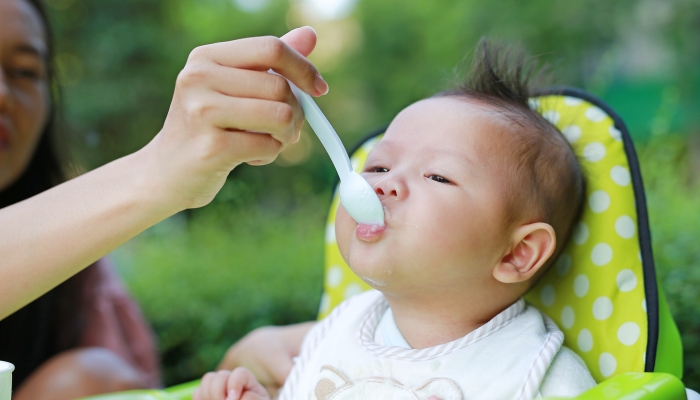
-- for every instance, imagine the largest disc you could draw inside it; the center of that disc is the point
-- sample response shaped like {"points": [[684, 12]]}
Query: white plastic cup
{"points": [[6, 380]]}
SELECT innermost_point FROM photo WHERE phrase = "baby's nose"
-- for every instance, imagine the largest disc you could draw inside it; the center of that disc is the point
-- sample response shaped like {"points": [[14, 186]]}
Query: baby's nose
{"points": [[391, 188], [380, 192]]}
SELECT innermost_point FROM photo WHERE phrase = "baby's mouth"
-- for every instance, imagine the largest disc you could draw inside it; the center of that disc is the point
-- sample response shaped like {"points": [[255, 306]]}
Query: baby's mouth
{"points": [[369, 233], [372, 232]]}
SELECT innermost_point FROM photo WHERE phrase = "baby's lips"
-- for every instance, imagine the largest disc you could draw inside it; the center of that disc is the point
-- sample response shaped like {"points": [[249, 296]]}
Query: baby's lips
{"points": [[369, 232]]}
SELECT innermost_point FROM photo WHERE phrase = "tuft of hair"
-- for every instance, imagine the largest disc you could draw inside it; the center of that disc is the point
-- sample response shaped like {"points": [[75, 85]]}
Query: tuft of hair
{"points": [[544, 180]]}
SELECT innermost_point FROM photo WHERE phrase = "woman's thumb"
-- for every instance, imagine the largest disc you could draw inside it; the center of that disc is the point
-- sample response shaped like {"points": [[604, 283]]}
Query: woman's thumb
{"points": [[301, 39]]}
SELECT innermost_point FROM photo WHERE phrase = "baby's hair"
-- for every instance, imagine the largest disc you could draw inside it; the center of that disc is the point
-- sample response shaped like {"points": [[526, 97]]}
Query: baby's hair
{"points": [[546, 183]]}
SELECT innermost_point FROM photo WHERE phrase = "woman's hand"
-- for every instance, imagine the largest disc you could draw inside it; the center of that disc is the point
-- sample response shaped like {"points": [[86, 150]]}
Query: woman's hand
{"points": [[239, 384], [268, 353], [227, 110]]}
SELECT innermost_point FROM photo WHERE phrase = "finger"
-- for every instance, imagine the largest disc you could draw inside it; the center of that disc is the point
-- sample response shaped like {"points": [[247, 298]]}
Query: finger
{"points": [[217, 385], [262, 54], [252, 115], [248, 147], [245, 83], [242, 381], [301, 39], [241, 83], [205, 385]]}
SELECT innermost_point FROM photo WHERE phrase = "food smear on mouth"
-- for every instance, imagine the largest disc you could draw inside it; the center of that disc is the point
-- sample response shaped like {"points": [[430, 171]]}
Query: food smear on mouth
{"points": [[369, 231]]}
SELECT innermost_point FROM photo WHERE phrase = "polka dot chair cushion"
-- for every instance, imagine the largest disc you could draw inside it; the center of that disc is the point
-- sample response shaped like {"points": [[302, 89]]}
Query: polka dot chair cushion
{"points": [[595, 291]]}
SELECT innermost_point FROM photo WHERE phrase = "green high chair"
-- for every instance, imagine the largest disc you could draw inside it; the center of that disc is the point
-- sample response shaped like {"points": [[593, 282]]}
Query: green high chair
{"points": [[602, 291]]}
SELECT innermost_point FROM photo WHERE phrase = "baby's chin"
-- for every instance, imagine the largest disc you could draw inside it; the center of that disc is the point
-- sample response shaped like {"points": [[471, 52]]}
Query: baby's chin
{"points": [[377, 275]]}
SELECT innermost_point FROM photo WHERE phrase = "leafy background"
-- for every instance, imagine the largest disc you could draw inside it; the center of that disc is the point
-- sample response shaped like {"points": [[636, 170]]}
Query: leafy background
{"points": [[253, 257]]}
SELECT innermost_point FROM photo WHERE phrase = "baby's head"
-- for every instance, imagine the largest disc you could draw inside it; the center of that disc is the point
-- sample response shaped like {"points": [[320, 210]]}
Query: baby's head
{"points": [[480, 193]]}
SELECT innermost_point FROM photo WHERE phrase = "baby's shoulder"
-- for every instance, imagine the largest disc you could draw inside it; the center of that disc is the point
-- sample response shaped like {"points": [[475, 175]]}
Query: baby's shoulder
{"points": [[567, 376]]}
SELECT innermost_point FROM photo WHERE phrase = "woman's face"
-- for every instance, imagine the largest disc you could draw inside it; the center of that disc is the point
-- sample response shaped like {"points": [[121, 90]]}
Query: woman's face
{"points": [[24, 91]]}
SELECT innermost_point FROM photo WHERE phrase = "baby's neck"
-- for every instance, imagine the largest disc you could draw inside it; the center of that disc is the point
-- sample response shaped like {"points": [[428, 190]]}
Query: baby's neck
{"points": [[430, 323]]}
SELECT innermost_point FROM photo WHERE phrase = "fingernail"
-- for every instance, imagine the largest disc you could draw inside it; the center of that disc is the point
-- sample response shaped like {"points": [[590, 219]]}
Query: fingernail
{"points": [[320, 85], [232, 395], [310, 27]]}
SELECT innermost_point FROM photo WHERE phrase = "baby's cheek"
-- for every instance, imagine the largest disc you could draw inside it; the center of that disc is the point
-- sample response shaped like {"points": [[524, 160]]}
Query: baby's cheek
{"points": [[344, 229]]}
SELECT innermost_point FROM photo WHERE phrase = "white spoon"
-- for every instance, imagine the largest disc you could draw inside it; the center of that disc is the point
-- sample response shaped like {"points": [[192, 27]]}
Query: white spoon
{"points": [[356, 194]]}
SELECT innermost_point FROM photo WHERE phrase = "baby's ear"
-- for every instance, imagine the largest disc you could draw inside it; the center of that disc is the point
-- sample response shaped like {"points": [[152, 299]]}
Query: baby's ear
{"points": [[532, 245]]}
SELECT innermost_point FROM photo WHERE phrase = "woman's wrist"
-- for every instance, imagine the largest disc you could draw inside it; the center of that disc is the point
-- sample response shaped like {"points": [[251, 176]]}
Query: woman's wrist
{"points": [[149, 184]]}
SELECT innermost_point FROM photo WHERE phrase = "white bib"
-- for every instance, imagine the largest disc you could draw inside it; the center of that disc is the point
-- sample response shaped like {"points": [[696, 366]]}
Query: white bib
{"points": [[506, 358]]}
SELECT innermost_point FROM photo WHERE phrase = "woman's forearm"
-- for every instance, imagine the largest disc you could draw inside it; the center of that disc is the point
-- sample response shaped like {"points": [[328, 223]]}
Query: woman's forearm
{"points": [[48, 238]]}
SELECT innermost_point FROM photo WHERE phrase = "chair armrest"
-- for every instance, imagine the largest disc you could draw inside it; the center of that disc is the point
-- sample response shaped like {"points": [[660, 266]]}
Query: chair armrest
{"points": [[132, 395], [183, 391], [638, 386]]}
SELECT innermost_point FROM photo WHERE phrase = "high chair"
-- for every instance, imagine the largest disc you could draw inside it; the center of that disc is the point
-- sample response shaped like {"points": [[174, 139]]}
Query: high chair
{"points": [[602, 291]]}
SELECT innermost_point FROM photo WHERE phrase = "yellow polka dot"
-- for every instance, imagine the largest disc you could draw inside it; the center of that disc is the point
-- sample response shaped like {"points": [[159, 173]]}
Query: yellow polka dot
{"points": [[607, 364], [580, 234], [572, 133], [334, 276], [594, 152], [602, 308], [568, 317], [628, 333], [624, 226], [563, 264], [547, 295], [581, 285], [595, 114], [352, 290], [572, 101], [601, 254], [551, 116], [626, 280], [585, 340], [620, 175], [599, 201], [615, 133], [330, 233], [325, 303]]}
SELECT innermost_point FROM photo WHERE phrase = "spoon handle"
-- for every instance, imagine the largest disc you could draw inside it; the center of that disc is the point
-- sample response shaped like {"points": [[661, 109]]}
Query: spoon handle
{"points": [[325, 132]]}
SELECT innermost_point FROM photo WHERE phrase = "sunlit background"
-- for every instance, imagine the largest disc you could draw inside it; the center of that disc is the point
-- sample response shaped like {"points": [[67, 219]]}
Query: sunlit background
{"points": [[254, 256]]}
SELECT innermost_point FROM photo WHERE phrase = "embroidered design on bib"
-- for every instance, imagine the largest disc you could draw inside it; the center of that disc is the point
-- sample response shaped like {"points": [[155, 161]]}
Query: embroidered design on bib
{"points": [[335, 385]]}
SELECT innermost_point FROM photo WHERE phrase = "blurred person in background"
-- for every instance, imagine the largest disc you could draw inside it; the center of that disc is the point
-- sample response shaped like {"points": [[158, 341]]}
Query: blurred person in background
{"points": [[86, 336]]}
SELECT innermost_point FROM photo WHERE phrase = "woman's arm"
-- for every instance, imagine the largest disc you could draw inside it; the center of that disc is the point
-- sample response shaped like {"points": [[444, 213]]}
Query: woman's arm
{"points": [[221, 96], [268, 352]]}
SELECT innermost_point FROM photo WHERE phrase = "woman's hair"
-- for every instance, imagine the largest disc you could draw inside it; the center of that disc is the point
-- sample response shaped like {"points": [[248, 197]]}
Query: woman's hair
{"points": [[55, 321]]}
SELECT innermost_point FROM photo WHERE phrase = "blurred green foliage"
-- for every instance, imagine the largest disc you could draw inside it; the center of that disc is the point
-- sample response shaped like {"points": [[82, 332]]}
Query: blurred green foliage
{"points": [[254, 257], [205, 283]]}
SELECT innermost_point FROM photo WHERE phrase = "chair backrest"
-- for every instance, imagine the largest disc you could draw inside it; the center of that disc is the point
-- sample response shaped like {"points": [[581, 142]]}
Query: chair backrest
{"points": [[602, 291]]}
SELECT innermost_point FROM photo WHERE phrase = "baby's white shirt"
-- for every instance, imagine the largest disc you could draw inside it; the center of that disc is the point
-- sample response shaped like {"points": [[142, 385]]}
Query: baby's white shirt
{"points": [[567, 375], [515, 355]]}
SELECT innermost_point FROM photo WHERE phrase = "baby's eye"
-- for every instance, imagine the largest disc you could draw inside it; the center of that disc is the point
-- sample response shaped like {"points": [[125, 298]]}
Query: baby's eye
{"points": [[438, 178], [377, 169]]}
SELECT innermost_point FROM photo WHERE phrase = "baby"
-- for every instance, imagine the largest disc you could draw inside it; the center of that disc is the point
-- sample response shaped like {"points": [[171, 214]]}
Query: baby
{"points": [[480, 195]]}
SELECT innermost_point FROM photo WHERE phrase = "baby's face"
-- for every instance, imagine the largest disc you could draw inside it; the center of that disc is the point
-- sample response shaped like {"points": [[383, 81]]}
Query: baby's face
{"points": [[438, 173]]}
